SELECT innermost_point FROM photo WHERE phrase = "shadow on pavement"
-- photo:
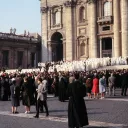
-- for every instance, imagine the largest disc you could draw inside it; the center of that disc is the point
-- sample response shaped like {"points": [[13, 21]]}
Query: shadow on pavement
{"points": [[105, 127], [97, 112], [58, 111]]}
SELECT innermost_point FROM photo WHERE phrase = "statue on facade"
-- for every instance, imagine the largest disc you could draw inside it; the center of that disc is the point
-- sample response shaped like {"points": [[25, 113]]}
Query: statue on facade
{"points": [[25, 33], [11, 30], [14, 31], [28, 33]]}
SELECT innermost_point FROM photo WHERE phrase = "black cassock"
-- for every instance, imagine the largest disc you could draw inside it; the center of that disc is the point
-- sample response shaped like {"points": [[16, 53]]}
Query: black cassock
{"points": [[77, 113], [62, 89]]}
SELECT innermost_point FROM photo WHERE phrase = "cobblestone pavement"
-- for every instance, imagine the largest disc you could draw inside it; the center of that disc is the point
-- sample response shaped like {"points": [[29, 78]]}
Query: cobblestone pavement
{"points": [[111, 112]]}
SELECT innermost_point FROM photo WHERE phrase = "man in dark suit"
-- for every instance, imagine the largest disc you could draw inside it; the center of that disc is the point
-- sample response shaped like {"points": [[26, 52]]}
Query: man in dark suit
{"points": [[111, 84], [124, 83]]}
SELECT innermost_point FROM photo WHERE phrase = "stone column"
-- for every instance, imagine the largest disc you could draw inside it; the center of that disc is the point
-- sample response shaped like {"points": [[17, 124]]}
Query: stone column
{"points": [[124, 6], [78, 49], [15, 59], [93, 30], [64, 50], [86, 48], [44, 33], [117, 36], [25, 59], [50, 51], [77, 43], [11, 58], [49, 19], [69, 5], [29, 57], [113, 47], [35, 60], [100, 47], [0, 58]]}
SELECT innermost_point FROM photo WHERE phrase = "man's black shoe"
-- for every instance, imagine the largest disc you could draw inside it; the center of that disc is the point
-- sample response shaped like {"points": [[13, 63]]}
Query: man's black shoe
{"points": [[36, 116], [16, 112], [47, 115]]}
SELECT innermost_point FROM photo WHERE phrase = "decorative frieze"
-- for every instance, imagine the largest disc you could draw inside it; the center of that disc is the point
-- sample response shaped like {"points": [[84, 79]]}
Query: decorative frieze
{"points": [[70, 3], [43, 9], [91, 1]]}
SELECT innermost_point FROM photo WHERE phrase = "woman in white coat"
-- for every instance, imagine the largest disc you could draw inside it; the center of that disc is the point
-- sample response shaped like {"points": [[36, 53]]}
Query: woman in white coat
{"points": [[102, 86]]}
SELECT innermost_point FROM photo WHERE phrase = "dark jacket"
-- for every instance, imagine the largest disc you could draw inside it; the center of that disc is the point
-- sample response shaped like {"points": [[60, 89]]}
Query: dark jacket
{"points": [[15, 91], [125, 80], [77, 113]]}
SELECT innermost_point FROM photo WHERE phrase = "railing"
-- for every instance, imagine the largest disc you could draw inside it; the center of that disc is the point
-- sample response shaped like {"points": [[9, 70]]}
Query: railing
{"points": [[56, 26], [107, 51], [105, 19]]}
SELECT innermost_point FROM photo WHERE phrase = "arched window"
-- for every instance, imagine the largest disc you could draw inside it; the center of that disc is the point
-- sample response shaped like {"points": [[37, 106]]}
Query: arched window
{"points": [[56, 18], [107, 9], [82, 14], [82, 49]]}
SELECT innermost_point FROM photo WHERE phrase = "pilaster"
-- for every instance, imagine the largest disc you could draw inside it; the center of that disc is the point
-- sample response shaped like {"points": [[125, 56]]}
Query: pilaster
{"points": [[0, 58], [117, 36], [64, 49], [50, 51], [100, 47], [124, 13], [69, 7], [93, 30], [44, 25]]}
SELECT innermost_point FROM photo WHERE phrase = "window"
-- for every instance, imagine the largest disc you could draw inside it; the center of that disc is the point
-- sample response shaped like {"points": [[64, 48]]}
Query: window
{"points": [[56, 18], [107, 8], [82, 14], [105, 28], [82, 49], [5, 59]]}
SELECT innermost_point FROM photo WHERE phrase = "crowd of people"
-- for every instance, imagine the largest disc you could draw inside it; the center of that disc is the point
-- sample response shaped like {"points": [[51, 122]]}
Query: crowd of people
{"points": [[32, 88]]}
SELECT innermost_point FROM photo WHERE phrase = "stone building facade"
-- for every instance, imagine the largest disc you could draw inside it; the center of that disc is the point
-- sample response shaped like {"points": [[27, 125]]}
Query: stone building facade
{"points": [[19, 51], [80, 29]]}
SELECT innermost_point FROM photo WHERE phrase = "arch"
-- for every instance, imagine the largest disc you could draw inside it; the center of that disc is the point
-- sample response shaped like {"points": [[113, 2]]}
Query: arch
{"points": [[57, 46], [107, 8], [82, 37], [82, 14], [52, 32]]}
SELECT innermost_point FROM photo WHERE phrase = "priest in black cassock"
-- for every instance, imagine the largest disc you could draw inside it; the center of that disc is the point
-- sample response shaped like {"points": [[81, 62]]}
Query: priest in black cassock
{"points": [[62, 88], [77, 113]]}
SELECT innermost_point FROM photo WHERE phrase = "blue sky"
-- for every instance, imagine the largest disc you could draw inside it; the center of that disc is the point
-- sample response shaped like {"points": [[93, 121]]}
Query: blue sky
{"points": [[20, 14]]}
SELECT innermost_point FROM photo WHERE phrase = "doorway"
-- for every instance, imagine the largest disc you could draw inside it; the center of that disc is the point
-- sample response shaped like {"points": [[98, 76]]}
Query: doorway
{"points": [[57, 46], [107, 47]]}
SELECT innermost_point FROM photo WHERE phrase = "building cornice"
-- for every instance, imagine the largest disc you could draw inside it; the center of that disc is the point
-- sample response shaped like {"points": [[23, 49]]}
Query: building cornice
{"points": [[8, 36]]}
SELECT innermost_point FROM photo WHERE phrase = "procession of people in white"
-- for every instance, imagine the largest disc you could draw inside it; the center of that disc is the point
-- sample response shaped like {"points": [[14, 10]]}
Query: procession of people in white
{"points": [[77, 65], [82, 65]]}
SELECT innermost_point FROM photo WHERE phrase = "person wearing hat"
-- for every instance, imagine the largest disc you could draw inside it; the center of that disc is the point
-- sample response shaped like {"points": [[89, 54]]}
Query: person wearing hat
{"points": [[15, 94]]}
